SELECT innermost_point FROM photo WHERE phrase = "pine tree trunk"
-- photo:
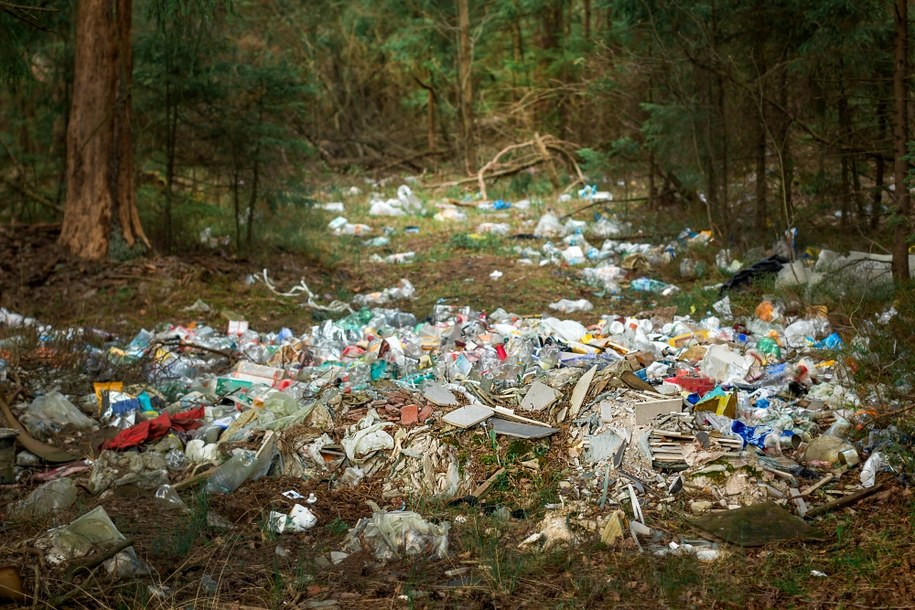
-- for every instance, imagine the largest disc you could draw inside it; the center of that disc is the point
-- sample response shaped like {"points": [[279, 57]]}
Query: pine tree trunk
{"points": [[762, 216], [101, 201], [880, 167], [465, 76], [762, 205], [901, 230]]}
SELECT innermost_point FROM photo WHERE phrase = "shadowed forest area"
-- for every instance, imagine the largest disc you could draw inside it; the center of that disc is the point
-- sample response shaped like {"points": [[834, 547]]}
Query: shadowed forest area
{"points": [[456, 304], [752, 117]]}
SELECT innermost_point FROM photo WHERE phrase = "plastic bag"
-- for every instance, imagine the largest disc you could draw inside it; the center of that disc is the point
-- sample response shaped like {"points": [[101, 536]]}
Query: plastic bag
{"points": [[399, 534], [93, 531], [403, 290], [567, 330], [495, 228], [549, 226], [408, 201], [368, 438], [50, 497], [797, 333], [568, 306], [605, 277], [391, 207], [872, 466], [51, 413]]}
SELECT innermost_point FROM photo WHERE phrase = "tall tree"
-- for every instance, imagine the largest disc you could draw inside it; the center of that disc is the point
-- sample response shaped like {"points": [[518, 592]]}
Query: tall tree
{"points": [[465, 85], [100, 207], [902, 228]]}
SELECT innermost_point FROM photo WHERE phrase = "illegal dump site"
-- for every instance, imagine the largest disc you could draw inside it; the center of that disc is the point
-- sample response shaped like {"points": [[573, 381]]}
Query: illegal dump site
{"points": [[457, 403]]}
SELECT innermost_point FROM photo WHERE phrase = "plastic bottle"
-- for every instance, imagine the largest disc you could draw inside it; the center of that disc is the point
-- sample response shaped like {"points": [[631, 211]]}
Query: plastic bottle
{"points": [[232, 473], [168, 498]]}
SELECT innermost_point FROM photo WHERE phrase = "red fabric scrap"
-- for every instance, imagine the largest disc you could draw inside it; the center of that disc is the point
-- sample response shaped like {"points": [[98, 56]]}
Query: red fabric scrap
{"points": [[154, 429]]}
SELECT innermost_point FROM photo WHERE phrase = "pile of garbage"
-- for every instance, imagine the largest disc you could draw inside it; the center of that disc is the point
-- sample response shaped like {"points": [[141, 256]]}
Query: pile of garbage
{"points": [[727, 415]]}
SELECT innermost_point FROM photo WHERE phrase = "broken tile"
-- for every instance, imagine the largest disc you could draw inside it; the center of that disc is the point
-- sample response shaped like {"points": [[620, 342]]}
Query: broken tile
{"points": [[409, 415], [539, 397], [580, 391], [517, 429], [439, 395], [468, 416], [606, 411], [603, 446], [647, 411]]}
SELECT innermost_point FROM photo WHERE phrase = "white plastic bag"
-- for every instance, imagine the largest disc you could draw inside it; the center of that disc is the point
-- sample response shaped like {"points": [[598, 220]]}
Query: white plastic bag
{"points": [[569, 306], [549, 226]]}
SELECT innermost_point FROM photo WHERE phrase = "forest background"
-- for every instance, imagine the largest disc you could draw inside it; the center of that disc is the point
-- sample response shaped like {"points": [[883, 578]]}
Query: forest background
{"points": [[137, 124]]}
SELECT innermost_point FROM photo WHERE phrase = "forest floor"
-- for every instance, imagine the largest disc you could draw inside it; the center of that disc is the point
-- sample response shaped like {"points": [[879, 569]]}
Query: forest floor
{"points": [[864, 559]]}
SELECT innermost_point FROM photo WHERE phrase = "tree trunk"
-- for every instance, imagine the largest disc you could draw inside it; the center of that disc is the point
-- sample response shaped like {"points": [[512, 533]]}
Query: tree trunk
{"points": [[549, 110], [761, 185], [236, 180], [252, 202], [759, 61], [845, 132], [101, 201], [587, 17], [901, 230], [785, 158], [430, 120], [652, 189], [880, 169], [171, 144], [860, 211], [465, 84]]}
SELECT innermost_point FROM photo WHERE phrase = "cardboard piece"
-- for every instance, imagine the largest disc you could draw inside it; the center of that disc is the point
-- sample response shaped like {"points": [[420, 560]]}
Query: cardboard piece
{"points": [[539, 396], [468, 416], [519, 430]]}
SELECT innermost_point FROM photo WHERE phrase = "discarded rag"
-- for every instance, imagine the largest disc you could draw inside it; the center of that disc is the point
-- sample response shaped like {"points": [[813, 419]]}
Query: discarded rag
{"points": [[156, 428]]}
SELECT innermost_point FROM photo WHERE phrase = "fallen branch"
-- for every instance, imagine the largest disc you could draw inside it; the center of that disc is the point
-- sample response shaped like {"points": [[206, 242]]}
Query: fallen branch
{"points": [[540, 148], [483, 489], [91, 562], [843, 501], [193, 480], [32, 195], [185, 345]]}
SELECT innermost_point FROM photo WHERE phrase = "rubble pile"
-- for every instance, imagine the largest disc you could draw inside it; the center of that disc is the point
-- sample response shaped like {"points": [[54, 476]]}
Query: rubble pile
{"points": [[742, 428]]}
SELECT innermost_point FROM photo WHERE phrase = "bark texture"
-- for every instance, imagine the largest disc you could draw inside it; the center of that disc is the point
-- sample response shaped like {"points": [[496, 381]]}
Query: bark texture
{"points": [[902, 229], [101, 199]]}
